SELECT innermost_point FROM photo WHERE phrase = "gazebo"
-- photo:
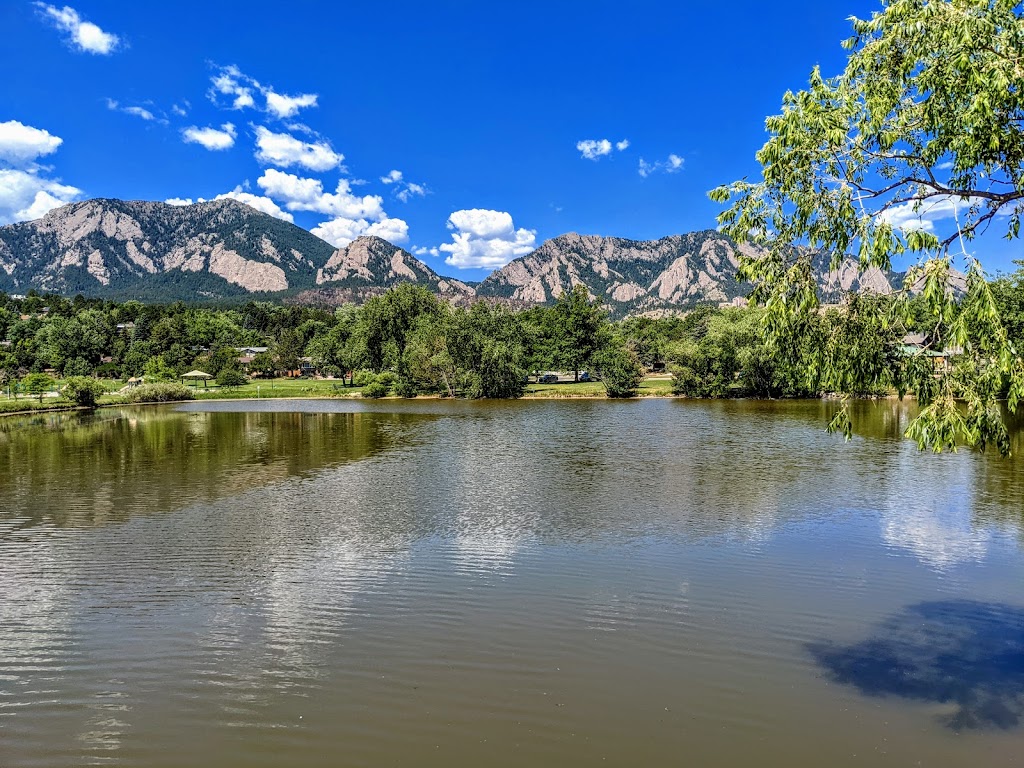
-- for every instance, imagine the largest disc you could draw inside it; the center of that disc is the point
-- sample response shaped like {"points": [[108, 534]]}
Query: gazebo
{"points": [[196, 376]]}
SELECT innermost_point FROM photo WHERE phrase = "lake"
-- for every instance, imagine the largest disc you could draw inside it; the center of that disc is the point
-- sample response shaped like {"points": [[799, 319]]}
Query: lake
{"points": [[534, 583]]}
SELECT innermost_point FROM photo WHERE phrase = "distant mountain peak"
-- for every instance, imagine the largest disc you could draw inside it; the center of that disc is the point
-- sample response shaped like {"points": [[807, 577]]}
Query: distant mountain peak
{"points": [[669, 274], [218, 248]]}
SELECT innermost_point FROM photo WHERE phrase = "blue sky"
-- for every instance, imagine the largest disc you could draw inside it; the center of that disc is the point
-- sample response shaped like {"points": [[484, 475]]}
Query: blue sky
{"points": [[508, 123]]}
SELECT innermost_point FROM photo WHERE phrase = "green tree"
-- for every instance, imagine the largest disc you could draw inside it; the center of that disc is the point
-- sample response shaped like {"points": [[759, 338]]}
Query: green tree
{"points": [[335, 347], [579, 329], [925, 120], [620, 369], [230, 377], [1008, 291], [386, 321], [37, 384], [8, 369], [157, 369], [82, 390]]}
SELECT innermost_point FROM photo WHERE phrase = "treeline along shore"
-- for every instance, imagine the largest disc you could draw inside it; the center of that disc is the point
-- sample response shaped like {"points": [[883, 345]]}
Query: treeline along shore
{"points": [[408, 342]]}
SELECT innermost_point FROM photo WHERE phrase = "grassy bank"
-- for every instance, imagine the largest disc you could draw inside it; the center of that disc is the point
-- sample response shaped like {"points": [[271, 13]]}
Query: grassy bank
{"points": [[315, 388], [660, 386]]}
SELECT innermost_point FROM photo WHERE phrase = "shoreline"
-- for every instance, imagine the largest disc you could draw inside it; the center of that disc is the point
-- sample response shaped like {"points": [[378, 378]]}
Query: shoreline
{"points": [[67, 407]]}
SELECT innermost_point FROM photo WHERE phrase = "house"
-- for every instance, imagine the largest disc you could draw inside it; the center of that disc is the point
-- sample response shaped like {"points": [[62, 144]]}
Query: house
{"points": [[306, 368], [251, 351], [918, 344], [124, 327]]}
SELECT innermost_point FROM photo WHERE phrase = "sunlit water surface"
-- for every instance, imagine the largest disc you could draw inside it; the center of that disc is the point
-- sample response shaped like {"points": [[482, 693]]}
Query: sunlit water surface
{"points": [[328, 583]]}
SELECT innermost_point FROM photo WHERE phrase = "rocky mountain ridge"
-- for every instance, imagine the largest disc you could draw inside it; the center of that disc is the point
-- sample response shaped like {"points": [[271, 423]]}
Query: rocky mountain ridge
{"points": [[652, 276], [224, 248]]}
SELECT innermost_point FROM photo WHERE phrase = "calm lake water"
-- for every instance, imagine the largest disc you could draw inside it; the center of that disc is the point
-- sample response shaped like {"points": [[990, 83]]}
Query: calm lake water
{"points": [[336, 583]]}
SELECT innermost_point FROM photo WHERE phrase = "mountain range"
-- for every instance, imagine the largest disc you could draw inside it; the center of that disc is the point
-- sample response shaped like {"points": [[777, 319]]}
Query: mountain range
{"points": [[223, 249]]}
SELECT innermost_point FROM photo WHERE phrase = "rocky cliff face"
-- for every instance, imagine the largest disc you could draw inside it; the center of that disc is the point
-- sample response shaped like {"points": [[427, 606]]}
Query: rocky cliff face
{"points": [[221, 248], [652, 276], [372, 261], [114, 247]]}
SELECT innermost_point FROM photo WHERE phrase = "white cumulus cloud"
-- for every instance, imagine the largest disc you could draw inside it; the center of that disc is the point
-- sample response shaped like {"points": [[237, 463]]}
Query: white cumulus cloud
{"points": [[214, 139], [392, 230], [283, 106], [25, 192], [264, 204], [392, 177], [351, 215], [284, 150], [622, 145], [82, 35], [303, 194], [181, 200], [21, 145], [923, 215], [25, 196], [341, 231], [484, 238]]}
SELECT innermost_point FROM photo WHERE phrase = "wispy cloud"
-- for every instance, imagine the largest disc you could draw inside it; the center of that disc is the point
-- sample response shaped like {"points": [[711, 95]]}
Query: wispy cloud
{"points": [[234, 89], [673, 164], [136, 111], [82, 35], [595, 149], [404, 190]]}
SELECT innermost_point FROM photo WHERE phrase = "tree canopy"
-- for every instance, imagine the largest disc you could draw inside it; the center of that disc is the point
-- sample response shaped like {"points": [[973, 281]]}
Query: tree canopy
{"points": [[914, 149]]}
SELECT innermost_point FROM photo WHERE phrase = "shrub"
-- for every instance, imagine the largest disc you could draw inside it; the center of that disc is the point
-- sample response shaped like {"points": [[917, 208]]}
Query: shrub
{"points": [[379, 386], [229, 377], [159, 392], [362, 378], [82, 390], [375, 389], [621, 371]]}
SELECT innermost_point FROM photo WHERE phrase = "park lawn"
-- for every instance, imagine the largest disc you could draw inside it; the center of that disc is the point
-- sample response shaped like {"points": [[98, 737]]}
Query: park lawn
{"points": [[649, 387], [262, 388], [274, 388], [299, 388]]}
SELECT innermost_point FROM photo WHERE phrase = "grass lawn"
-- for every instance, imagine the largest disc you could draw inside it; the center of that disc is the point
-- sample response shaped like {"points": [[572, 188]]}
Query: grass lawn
{"points": [[264, 388], [649, 387], [280, 388]]}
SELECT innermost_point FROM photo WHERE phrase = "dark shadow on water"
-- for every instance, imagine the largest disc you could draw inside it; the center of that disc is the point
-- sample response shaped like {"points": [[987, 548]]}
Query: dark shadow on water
{"points": [[959, 652]]}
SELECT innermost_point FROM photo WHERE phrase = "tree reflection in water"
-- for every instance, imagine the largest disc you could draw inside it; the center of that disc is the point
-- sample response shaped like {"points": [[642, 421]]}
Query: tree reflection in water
{"points": [[959, 652]]}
